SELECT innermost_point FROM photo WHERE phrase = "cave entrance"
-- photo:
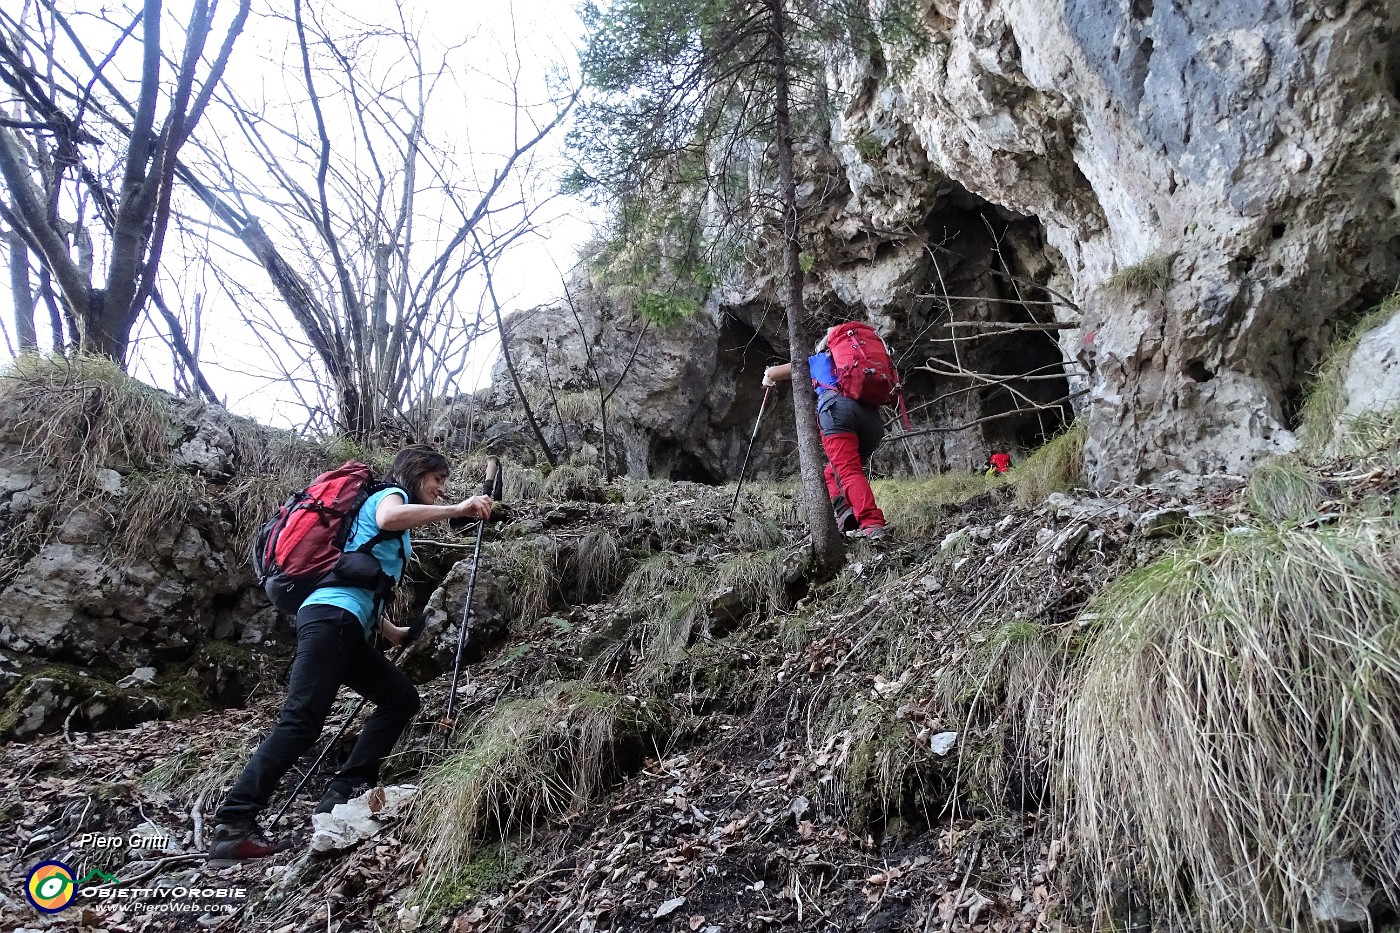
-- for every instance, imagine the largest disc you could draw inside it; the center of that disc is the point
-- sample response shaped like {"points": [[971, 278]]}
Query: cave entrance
{"points": [[983, 360], [668, 460]]}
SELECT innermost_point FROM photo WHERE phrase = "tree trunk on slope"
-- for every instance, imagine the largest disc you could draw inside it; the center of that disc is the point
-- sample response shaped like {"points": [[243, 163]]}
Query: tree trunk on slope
{"points": [[826, 540]]}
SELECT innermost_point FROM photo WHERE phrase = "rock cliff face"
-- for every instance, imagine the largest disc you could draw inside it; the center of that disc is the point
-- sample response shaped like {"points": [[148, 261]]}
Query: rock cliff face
{"points": [[682, 401], [1178, 204]]}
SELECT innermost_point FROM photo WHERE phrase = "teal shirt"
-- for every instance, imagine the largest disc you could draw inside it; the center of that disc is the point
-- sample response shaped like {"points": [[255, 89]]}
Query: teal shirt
{"points": [[353, 598]]}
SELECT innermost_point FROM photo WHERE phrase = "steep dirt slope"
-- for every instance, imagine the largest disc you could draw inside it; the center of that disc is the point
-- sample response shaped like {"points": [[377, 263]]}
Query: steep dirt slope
{"points": [[668, 724]]}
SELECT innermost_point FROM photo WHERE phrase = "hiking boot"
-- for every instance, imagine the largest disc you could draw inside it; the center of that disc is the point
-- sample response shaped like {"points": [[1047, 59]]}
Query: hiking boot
{"points": [[337, 792], [239, 842], [870, 532], [845, 516]]}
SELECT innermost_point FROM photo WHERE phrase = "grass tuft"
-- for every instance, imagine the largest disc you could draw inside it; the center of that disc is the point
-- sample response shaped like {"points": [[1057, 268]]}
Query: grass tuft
{"points": [[521, 761], [1153, 274], [918, 506], [1237, 723], [152, 503], [80, 415], [579, 407], [1053, 467], [595, 563], [529, 565], [579, 483], [523, 484], [758, 577], [667, 636], [194, 772], [660, 573], [1324, 431], [1283, 490]]}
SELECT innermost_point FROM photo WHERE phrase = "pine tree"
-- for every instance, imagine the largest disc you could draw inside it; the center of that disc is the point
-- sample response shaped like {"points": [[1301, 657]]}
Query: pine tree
{"points": [[689, 130]]}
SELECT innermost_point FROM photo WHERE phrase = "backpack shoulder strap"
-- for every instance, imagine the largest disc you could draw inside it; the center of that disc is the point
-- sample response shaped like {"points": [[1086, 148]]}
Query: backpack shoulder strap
{"points": [[383, 534]]}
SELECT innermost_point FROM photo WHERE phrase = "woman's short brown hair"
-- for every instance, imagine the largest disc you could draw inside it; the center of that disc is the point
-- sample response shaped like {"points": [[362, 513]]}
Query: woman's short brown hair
{"points": [[412, 464]]}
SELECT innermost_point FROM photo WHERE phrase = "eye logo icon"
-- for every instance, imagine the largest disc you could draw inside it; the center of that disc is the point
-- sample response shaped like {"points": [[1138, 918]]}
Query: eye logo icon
{"points": [[50, 887]]}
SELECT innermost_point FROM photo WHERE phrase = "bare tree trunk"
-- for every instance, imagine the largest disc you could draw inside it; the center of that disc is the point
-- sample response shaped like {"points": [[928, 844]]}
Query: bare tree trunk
{"points": [[510, 364], [826, 541], [182, 349], [137, 209], [597, 377], [22, 293], [55, 313]]}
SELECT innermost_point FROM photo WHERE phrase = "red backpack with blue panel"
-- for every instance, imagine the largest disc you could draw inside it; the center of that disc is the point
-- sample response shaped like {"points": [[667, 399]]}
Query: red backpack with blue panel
{"points": [[864, 370]]}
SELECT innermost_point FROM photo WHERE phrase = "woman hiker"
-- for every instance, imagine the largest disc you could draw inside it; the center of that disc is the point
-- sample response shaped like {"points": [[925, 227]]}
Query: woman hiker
{"points": [[334, 628], [851, 432]]}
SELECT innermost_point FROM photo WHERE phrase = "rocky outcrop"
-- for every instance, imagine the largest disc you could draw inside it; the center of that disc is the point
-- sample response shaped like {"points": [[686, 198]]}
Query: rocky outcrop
{"points": [[1372, 383], [131, 556], [682, 400], [1157, 215]]}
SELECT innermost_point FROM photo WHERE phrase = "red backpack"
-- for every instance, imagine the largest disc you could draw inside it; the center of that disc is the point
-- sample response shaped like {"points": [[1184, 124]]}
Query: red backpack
{"points": [[864, 370], [302, 547]]}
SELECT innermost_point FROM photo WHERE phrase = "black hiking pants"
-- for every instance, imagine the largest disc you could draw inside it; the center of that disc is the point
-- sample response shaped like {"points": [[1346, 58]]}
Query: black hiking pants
{"points": [[331, 650]]}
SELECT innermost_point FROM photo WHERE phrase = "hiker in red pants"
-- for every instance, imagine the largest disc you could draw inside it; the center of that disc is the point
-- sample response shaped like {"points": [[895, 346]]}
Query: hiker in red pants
{"points": [[851, 431]]}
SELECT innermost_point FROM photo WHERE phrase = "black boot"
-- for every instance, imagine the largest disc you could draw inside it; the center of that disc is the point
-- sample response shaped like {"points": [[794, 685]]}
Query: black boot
{"points": [[239, 842], [337, 792]]}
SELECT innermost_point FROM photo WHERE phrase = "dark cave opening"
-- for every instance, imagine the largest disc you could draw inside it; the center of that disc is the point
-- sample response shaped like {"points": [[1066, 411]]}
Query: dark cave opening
{"points": [[982, 359], [743, 354], [666, 459]]}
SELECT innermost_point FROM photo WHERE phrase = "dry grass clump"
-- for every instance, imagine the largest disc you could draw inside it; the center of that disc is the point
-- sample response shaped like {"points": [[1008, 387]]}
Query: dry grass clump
{"points": [[770, 500], [264, 451], [1153, 274], [83, 414], [151, 503], [664, 589], [523, 484], [523, 760], [668, 633], [1283, 490], [194, 771], [759, 577], [1053, 467], [753, 533], [1005, 690], [661, 573], [576, 406], [917, 506], [341, 448], [593, 563], [529, 565], [1237, 723], [1324, 430], [578, 483]]}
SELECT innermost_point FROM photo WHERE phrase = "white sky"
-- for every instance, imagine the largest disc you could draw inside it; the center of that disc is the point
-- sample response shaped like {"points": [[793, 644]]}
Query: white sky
{"points": [[543, 31]]}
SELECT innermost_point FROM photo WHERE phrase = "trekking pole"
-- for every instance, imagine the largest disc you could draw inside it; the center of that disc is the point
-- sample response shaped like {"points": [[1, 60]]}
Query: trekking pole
{"points": [[492, 487], [393, 657], [767, 391]]}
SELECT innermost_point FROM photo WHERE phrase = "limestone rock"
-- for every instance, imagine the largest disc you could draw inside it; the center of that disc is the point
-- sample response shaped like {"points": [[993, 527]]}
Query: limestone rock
{"points": [[1112, 169], [81, 594], [1372, 382], [364, 817]]}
